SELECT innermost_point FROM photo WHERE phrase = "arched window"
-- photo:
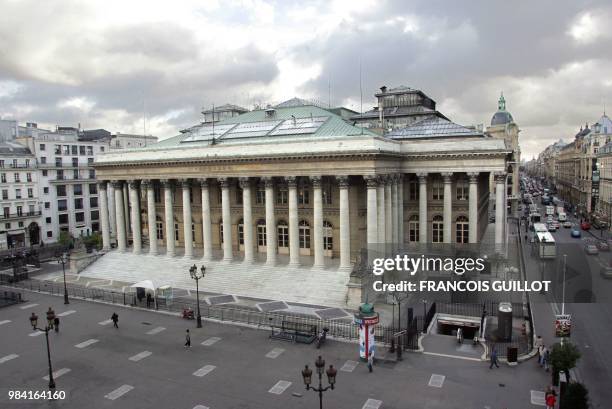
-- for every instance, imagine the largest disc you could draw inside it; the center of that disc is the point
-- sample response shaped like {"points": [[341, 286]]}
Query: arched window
{"points": [[437, 229], [159, 227], [304, 234], [413, 229], [463, 230], [261, 233], [328, 238], [283, 233], [241, 232]]}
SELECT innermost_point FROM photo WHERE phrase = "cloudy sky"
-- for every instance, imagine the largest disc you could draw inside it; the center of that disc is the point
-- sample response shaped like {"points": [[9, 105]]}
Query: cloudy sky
{"points": [[104, 63]]}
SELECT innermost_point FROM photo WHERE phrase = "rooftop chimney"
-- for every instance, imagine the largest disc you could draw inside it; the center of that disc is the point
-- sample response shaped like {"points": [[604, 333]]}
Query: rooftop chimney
{"points": [[383, 89]]}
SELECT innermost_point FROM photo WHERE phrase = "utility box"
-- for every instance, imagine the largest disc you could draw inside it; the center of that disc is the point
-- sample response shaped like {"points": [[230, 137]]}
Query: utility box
{"points": [[504, 322]]}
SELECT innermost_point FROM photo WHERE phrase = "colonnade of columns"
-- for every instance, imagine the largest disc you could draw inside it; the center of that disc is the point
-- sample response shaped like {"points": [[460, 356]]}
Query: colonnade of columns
{"points": [[385, 215]]}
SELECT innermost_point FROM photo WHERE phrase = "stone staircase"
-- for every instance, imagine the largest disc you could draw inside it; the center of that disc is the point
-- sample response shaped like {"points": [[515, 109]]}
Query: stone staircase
{"points": [[305, 285]]}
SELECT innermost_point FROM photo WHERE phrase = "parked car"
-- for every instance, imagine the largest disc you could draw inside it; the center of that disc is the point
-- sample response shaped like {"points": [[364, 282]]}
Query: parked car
{"points": [[606, 272], [585, 225], [591, 249], [603, 246], [576, 234], [567, 224]]}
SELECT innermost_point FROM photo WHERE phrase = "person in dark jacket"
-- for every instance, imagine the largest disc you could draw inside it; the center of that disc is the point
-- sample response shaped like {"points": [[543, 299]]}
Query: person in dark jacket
{"points": [[56, 323], [494, 358], [187, 339], [115, 319], [50, 317]]}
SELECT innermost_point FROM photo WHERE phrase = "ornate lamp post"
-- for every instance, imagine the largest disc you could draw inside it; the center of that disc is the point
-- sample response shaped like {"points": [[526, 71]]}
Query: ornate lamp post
{"points": [[193, 271], [34, 322], [331, 378], [63, 258]]}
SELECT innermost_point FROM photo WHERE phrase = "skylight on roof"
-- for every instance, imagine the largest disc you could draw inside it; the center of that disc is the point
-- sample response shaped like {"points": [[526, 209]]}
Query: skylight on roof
{"points": [[249, 129], [299, 125], [207, 133]]}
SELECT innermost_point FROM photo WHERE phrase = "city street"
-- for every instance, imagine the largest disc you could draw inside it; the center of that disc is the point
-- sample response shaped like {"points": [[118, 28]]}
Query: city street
{"points": [[144, 364], [591, 322]]}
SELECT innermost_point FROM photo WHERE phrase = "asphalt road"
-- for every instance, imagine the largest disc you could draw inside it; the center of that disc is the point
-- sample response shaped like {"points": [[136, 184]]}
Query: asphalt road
{"points": [[591, 321], [144, 364]]}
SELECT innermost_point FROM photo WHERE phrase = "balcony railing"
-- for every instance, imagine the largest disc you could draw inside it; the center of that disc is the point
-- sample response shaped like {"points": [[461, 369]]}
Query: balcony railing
{"points": [[8, 216]]}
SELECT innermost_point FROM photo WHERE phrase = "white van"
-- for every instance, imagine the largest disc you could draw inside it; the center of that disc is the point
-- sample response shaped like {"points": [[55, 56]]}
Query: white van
{"points": [[550, 210], [562, 217]]}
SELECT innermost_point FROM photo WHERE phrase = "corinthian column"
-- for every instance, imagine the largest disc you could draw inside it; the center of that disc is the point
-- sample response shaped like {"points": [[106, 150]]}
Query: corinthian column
{"points": [[247, 218], [169, 216], [121, 235], [500, 204], [380, 205], [394, 210], [104, 215], [422, 207], [270, 223], [136, 229], [345, 229], [151, 220], [447, 207], [372, 217], [206, 221], [187, 232], [226, 214], [388, 210], [400, 205], [318, 221], [294, 241], [473, 208]]}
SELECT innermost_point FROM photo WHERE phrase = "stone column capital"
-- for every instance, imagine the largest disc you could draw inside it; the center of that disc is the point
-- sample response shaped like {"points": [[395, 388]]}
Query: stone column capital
{"points": [[316, 181], [500, 177], [167, 183], [186, 183], [383, 180], [291, 181], [447, 177], [473, 177], [102, 184], [422, 177], [133, 184], [343, 181], [224, 182], [117, 184], [371, 181], [203, 182], [244, 182], [146, 184], [268, 181]]}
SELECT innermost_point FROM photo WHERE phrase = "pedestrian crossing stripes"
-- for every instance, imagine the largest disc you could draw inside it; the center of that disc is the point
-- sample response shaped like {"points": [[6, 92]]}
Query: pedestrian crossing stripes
{"points": [[36, 333], [8, 358], [105, 322], [538, 398], [210, 341], [57, 374], [349, 366], [201, 407], [204, 370], [140, 356], [66, 313], [436, 381], [280, 387], [372, 404], [155, 330], [25, 307], [119, 392], [275, 353], [86, 343], [4, 322]]}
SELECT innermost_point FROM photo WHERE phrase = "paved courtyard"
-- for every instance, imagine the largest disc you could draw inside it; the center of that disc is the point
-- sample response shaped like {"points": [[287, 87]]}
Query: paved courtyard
{"points": [[144, 364]]}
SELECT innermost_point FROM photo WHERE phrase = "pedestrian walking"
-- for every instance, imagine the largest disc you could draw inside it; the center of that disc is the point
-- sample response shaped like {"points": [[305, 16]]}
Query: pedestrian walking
{"points": [[541, 350], [371, 361], [187, 339], [50, 317], [494, 358], [546, 359], [538, 343], [56, 323], [115, 319], [551, 400], [149, 300]]}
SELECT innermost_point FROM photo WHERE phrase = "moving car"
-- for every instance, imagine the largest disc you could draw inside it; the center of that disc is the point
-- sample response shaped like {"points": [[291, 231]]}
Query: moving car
{"points": [[606, 272], [585, 225], [591, 249], [576, 233], [603, 246], [567, 224], [551, 227]]}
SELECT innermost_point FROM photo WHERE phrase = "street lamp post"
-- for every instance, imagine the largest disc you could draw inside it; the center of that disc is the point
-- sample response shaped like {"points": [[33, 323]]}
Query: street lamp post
{"points": [[193, 271], [63, 259], [34, 322], [331, 378]]}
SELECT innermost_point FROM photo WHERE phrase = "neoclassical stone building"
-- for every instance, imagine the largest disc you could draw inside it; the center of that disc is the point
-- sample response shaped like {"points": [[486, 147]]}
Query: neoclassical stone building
{"points": [[298, 185]]}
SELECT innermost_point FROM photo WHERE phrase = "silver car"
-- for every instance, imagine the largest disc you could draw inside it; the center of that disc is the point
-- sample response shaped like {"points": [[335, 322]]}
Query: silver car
{"points": [[591, 249]]}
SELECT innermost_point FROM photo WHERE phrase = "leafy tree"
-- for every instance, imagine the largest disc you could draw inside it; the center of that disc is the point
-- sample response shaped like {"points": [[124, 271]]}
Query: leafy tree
{"points": [[563, 357], [576, 396], [94, 240], [65, 239]]}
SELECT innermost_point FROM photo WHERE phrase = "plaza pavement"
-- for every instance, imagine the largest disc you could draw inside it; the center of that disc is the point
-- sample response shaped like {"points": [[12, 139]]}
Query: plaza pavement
{"points": [[143, 364]]}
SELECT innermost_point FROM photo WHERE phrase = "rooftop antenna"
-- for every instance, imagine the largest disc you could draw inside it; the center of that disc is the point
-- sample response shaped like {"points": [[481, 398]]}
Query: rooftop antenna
{"points": [[360, 95], [144, 120], [213, 124], [329, 93]]}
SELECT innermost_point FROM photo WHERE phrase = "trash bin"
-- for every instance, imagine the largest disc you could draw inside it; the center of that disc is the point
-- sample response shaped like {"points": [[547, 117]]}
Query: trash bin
{"points": [[512, 355]]}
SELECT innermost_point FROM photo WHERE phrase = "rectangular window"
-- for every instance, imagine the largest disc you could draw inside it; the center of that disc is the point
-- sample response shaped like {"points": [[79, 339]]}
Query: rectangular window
{"points": [[95, 215], [78, 190], [92, 173], [57, 149], [75, 162], [31, 210], [1, 163], [49, 234], [4, 194], [79, 217], [20, 224], [78, 204], [413, 190], [90, 161], [60, 175], [62, 205], [43, 160], [42, 146], [17, 193], [82, 150], [303, 195], [93, 189], [66, 150], [74, 150], [60, 190], [326, 191], [93, 202], [463, 190], [19, 211], [44, 172], [238, 195], [90, 151], [46, 190], [29, 177], [282, 196], [48, 220], [157, 194], [7, 225], [47, 205], [16, 176], [437, 190], [3, 177], [260, 196], [7, 213], [58, 162], [14, 163], [75, 174], [27, 163], [63, 219], [30, 193]]}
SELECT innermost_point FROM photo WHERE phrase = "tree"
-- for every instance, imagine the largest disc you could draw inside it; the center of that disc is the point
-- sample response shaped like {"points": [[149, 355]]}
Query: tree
{"points": [[576, 396], [563, 357], [93, 241], [65, 239]]}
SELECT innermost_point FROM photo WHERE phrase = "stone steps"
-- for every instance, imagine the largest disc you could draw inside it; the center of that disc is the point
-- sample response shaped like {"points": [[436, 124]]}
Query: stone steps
{"points": [[326, 287]]}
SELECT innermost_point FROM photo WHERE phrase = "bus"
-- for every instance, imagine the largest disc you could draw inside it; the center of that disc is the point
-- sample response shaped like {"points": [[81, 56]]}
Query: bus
{"points": [[545, 244]]}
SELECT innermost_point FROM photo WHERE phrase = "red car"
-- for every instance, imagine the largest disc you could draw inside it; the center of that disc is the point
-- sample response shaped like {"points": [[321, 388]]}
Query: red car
{"points": [[585, 225]]}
